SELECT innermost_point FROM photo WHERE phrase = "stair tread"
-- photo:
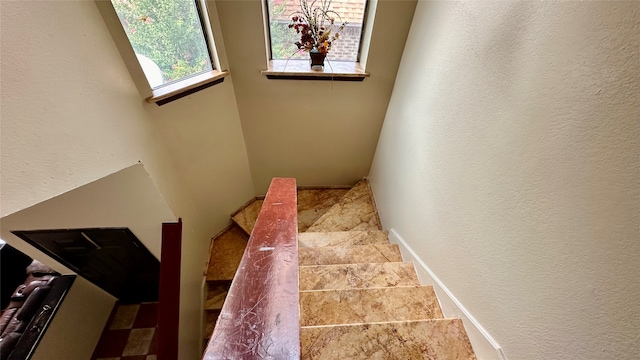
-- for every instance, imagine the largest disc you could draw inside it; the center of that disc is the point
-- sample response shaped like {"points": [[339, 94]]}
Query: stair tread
{"points": [[333, 255], [313, 203], [354, 211], [342, 238], [226, 252], [333, 307], [215, 296], [247, 216], [441, 339], [355, 276]]}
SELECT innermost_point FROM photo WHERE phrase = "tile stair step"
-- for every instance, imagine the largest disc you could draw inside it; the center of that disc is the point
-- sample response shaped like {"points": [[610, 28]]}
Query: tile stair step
{"points": [[215, 296], [314, 202], [246, 217], [335, 307], [333, 255], [356, 276], [342, 238], [443, 339], [227, 249], [354, 211]]}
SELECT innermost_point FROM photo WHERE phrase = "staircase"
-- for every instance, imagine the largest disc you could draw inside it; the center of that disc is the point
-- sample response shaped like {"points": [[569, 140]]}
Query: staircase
{"points": [[358, 300]]}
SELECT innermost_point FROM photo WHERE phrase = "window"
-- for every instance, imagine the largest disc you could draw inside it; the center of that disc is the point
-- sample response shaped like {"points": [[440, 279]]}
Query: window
{"points": [[167, 45], [283, 38], [167, 37]]}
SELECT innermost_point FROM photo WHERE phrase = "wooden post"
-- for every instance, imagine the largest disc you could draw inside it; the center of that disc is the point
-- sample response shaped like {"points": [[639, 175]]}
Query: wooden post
{"points": [[169, 298]]}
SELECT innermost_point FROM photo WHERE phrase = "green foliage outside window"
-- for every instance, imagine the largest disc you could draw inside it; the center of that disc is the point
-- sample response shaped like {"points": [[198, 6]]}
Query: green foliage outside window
{"points": [[168, 32], [282, 38]]}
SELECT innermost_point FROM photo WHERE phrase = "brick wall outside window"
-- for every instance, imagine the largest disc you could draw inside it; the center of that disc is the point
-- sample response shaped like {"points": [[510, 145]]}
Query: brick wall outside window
{"points": [[344, 49]]}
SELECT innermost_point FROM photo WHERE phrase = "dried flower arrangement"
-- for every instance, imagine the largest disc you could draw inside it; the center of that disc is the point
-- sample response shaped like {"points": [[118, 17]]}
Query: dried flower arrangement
{"points": [[315, 23]]}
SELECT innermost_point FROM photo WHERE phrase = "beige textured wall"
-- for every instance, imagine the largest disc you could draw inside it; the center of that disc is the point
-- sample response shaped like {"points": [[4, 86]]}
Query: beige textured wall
{"points": [[71, 114], [127, 198], [509, 160], [319, 132]]}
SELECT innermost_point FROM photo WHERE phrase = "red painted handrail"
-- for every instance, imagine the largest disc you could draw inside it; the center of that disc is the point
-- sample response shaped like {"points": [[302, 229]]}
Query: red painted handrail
{"points": [[260, 316]]}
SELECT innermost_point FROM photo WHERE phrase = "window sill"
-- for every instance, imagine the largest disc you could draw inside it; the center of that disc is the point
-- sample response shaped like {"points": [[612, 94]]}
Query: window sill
{"points": [[300, 70], [186, 87]]}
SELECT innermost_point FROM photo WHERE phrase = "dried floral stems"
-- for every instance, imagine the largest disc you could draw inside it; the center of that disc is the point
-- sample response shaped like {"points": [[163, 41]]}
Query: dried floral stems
{"points": [[315, 23]]}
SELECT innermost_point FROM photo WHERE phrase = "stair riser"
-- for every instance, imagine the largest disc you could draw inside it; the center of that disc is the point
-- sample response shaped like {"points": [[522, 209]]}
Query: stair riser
{"points": [[349, 255], [344, 238], [355, 211]]}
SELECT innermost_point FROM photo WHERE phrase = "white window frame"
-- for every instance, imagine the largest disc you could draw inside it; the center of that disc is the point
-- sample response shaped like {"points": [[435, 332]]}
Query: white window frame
{"points": [[351, 71], [178, 89]]}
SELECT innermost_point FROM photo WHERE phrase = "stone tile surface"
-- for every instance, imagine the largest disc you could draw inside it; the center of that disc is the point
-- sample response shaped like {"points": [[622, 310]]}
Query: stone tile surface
{"points": [[430, 339], [124, 317], [342, 238], [357, 276], [226, 253], [139, 342], [333, 307], [333, 255], [313, 203], [354, 211], [246, 218], [215, 296]]}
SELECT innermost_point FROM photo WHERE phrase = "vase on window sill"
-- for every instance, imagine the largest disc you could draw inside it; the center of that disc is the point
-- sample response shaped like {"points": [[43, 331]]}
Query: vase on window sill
{"points": [[317, 59]]}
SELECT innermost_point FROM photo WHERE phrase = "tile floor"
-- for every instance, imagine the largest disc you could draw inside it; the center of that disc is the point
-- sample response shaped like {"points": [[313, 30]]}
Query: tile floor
{"points": [[130, 333]]}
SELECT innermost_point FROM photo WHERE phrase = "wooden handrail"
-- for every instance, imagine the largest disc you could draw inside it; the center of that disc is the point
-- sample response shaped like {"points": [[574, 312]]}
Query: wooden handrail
{"points": [[260, 316]]}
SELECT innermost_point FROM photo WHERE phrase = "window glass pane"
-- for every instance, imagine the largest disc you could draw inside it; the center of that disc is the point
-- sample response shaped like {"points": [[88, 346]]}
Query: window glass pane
{"points": [[167, 37], [283, 38]]}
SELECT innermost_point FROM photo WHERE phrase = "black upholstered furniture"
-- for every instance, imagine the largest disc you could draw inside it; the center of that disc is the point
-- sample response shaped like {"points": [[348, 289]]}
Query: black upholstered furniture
{"points": [[28, 309]]}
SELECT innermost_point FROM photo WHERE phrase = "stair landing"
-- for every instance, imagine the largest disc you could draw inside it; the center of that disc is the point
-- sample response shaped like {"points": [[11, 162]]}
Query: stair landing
{"points": [[354, 211], [315, 202]]}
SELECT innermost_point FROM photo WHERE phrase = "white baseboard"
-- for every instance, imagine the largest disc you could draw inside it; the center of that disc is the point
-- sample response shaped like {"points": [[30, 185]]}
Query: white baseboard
{"points": [[484, 345]]}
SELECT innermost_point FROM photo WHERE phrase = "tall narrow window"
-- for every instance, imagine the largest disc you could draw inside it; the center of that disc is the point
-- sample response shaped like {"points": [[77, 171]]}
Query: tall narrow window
{"points": [[167, 37], [283, 38]]}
